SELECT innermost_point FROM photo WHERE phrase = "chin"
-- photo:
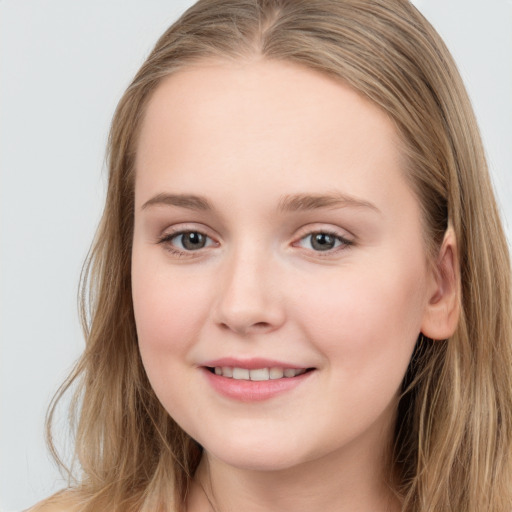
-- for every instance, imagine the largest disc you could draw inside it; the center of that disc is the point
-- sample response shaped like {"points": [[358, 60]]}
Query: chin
{"points": [[260, 463], [257, 455]]}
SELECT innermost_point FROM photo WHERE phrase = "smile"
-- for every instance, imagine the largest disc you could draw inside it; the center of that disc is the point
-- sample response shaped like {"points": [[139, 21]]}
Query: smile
{"points": [[256, 380], [257, 374]]}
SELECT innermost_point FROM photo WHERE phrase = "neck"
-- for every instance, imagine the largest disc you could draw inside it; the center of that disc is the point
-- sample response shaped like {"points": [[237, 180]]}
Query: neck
{"points": [[348, 480]]}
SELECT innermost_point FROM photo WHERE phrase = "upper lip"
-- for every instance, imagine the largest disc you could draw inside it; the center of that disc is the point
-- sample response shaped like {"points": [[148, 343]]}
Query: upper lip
{"points": [[252, 363]]}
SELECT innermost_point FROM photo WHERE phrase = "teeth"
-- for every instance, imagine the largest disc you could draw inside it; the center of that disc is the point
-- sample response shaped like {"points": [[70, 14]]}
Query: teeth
{"points": [[241, 374], [258, 374], [276, 373], [227, 371], [261, 374]]}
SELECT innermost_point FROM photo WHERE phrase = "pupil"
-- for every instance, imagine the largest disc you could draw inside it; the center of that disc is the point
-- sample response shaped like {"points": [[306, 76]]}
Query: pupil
{"points": [[322, 242], [193, 240]]}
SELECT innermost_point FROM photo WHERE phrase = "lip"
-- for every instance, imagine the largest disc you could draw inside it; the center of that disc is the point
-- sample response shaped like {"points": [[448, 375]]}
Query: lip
{"points": [[252, 363], [252, 391]]}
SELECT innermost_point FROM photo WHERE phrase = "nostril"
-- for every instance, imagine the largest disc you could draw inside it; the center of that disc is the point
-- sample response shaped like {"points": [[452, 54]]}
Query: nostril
{"points": [[246, 329], [261, 325]]}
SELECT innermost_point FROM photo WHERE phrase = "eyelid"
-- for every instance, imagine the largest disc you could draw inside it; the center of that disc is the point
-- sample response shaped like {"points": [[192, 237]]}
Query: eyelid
{"points": [[166, 237], [330, 229], [347, 239], [186, 227], [342, 235]]}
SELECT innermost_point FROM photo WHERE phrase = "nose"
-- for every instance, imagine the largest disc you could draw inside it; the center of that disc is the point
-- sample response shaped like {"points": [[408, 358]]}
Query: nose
{"points": [[249, 299]]}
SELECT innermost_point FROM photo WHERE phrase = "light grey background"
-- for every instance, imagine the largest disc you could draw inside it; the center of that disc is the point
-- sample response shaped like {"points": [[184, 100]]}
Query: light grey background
{"points": [[64, 64]]}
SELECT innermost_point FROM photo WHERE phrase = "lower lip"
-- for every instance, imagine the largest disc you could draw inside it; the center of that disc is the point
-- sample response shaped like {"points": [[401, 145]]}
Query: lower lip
{"points": [[253, 391]]}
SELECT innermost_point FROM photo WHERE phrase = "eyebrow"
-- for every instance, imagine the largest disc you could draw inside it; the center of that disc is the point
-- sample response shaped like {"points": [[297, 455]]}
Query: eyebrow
{"points": [[305, 202], [188, 201], [288, 203]]}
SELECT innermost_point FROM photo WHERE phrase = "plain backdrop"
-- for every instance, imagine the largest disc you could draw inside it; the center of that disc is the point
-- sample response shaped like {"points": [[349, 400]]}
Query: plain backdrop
{"points": [[63, 66]]}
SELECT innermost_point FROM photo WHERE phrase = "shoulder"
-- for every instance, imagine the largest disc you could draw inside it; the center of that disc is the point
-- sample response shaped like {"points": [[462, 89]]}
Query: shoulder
{"points": [[49, 507], [60, 502]]}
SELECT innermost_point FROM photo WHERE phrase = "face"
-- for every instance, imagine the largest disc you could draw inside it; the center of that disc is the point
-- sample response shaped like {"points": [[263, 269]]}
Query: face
{"points": [[279, 272]]}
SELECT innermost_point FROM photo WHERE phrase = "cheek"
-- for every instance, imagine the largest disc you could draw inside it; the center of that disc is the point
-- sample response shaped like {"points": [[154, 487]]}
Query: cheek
{"points": [[167, 315], [167, 311], [367, 319]]}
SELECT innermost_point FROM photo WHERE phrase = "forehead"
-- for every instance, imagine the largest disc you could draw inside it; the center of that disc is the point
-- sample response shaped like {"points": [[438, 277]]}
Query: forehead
{"points": [[264, 120], [251, 94]]}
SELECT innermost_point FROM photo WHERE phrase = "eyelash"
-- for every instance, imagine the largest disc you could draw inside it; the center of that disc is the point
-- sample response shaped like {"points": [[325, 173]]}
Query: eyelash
{"points": [[344, 243], [167, 239]]}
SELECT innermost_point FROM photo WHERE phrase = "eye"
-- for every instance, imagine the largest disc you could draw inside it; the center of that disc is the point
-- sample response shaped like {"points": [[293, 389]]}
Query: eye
{"points": [[187, 241], [323, 241]]}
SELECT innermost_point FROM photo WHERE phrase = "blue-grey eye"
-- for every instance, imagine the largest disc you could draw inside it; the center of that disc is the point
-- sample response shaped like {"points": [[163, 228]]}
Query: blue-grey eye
{"points": [[321, 241], [190, 240]]}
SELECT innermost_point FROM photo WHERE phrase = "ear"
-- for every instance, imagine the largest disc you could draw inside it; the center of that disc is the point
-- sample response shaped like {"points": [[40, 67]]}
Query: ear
{"points": [[443, 307]]}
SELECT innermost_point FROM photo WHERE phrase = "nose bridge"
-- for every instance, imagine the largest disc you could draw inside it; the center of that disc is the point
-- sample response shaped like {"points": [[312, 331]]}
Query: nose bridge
{"points": [[249, 299]]}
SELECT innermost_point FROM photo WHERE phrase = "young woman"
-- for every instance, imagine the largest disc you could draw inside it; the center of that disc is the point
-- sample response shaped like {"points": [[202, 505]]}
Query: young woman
{"points": [[300, 287]]}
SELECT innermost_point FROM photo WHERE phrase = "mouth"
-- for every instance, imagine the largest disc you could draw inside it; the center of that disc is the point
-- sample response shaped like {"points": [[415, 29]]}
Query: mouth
{"points": [[257, 374], [254, 380]]}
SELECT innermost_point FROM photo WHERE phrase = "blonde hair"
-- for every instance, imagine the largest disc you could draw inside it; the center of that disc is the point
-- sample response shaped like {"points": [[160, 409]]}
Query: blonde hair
{"points": [[453, 449]]}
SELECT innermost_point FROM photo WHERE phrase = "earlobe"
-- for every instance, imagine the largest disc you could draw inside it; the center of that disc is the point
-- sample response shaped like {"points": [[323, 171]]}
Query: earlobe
{"points": [[443, 307]]}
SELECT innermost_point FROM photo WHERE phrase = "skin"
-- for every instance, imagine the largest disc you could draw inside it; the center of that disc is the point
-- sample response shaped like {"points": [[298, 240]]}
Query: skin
{"points": [[246, 137]]}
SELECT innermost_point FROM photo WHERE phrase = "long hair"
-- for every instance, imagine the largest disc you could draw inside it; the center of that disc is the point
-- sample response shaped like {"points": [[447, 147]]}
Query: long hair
{"points": [[453, 439]]}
